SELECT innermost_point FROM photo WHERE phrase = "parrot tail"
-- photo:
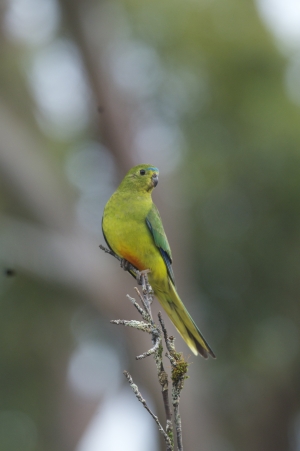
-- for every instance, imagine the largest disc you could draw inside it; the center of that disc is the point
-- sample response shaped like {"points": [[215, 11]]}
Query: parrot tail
{"points": [[183, 322]]}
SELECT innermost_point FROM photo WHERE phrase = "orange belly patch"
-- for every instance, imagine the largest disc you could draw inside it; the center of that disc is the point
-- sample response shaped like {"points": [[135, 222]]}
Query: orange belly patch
{"points": [[133, 259]]}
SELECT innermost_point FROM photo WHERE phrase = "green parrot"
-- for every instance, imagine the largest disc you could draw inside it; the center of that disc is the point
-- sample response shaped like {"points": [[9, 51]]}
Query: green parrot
{"points": [[132, 228]]}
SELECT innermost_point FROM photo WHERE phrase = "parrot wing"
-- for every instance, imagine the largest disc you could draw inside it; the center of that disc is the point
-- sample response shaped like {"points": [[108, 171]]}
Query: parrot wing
{"points": [[154, 223]]}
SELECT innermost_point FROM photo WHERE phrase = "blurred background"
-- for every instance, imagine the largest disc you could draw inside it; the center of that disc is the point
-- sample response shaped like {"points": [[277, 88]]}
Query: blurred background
{"points": [[208, 91]]}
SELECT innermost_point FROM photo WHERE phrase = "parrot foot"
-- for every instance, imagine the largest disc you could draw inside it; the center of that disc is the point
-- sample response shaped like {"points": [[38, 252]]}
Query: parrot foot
{"points": [[125, 264]]}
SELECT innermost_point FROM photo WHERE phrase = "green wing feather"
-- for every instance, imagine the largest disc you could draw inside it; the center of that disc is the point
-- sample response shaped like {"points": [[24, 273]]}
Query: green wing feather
{"points": [[155, 226]]}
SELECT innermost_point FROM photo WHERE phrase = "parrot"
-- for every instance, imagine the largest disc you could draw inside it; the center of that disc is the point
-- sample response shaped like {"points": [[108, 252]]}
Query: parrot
{"points": [[133, 230]]}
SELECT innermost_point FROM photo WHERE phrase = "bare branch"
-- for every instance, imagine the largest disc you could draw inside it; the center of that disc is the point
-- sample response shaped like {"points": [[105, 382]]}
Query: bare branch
{"points": [[142, 400], [140, 325], [179, 371], [146, 300], [153, 350], [145, 315]]}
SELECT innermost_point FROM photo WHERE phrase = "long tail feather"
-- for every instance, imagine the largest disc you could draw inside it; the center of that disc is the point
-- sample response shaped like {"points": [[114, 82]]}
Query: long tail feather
{"points": [[184, 323]]}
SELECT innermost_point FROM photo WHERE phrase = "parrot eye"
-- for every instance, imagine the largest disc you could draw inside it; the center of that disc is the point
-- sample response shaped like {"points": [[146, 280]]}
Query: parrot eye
{"points": [[142, 172]]}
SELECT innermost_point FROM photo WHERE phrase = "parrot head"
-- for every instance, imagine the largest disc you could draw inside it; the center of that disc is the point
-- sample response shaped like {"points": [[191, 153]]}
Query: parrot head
{"points": [[141, 178]]}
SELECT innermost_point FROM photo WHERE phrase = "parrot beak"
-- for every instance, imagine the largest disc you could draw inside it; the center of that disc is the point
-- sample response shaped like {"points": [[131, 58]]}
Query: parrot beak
{"points": [[154, 179]]}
